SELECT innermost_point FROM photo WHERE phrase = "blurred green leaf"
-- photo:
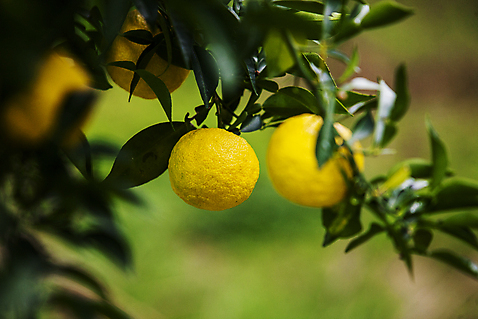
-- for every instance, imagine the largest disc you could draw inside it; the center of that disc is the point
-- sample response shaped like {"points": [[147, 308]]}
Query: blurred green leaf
{"points": [[400, 238], [455, 193], [363, 127], [290, 101], [422, 239], [403, 95], [148, 9], [384, 129], [458, 262], [342, 221], [374, 229], [439, 156], [462, 233], [384, 13], [462, 219], [112, 244], [145, 156], [390, 130], [278, 56], [419, 168], [309, 6], [81, 276], [352, 66]]}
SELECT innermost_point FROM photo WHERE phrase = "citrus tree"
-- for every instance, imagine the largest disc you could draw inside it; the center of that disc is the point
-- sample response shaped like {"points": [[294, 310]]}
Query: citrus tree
{"points": [[58, 56]]}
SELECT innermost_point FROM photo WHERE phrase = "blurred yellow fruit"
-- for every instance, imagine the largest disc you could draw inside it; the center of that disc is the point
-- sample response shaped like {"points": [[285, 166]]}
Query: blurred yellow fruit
{"points": [[213, 169], [123, 49], [31, 116], [293, 167]]}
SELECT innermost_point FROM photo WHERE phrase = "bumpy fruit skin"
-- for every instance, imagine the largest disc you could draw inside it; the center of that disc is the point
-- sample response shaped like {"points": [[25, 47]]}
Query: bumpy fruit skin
{"points": [[213, 169], [293, 168], [123, 49], [31, 116]]}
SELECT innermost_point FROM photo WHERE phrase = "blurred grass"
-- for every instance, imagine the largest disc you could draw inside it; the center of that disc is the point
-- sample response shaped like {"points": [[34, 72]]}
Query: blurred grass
{"points": [[263, 259]]}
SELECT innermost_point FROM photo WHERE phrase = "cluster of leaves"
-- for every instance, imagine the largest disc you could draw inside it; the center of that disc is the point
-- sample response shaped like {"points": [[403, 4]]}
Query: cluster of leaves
{"points": [[237, 51]]}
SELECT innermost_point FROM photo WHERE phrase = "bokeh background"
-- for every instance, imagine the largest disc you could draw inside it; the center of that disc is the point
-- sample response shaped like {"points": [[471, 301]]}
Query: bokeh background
{"points": [[264, 259]]}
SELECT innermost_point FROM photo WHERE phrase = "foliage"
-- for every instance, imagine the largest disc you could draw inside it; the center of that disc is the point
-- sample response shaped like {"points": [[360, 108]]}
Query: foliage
{"points": [[237, 50]]}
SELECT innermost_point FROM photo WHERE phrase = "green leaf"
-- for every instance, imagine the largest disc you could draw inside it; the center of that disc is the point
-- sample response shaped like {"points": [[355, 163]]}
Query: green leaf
{"points": [[384, 130], [112, 244], [278, 56], [206, 73], [422, 239], [81, 276], [160, 89], [354, 101], [143, 37], [439, 156], [374, 229], [463, 219], [460, 263], [352, 66], [363, 128], [400, 240], [251, 124], [330, 7], [290, 101], [403, 95], [454, 194], [419, 168], [308, 6], [114, 15], [326, 140], [145, 156], [342, 221], [148, 9], [462, 233], [384, 13]]}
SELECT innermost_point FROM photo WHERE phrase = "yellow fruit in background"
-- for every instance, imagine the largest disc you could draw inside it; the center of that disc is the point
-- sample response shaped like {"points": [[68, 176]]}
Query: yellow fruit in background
{"points": [[213, 169], [123, 49], [293, 168], [31, 116]]}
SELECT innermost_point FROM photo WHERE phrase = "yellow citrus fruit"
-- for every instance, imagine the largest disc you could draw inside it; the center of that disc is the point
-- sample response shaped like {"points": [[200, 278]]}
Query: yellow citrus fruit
{"points": [[293, 167], [123, 49], [213, 169], [31, 116]]}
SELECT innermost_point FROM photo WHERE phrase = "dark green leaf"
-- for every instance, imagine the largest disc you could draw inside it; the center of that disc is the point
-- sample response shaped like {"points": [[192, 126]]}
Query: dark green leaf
{"points": [[388, 134], [206, 73], [160, 89], [354, 101], [290, 101], [384, 13], [251, 124], [143, 37], [112, 244], [374, 229], [463, 220], [403, 95], [454, 194], [439, 156], [114, 15], [422, 239], [268, 85], [458, 262], [80, 156], [145, 156], [400, 240]]}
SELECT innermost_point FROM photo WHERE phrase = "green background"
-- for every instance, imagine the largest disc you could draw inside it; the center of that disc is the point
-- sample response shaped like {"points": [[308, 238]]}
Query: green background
{"points": [[264, 259]]}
